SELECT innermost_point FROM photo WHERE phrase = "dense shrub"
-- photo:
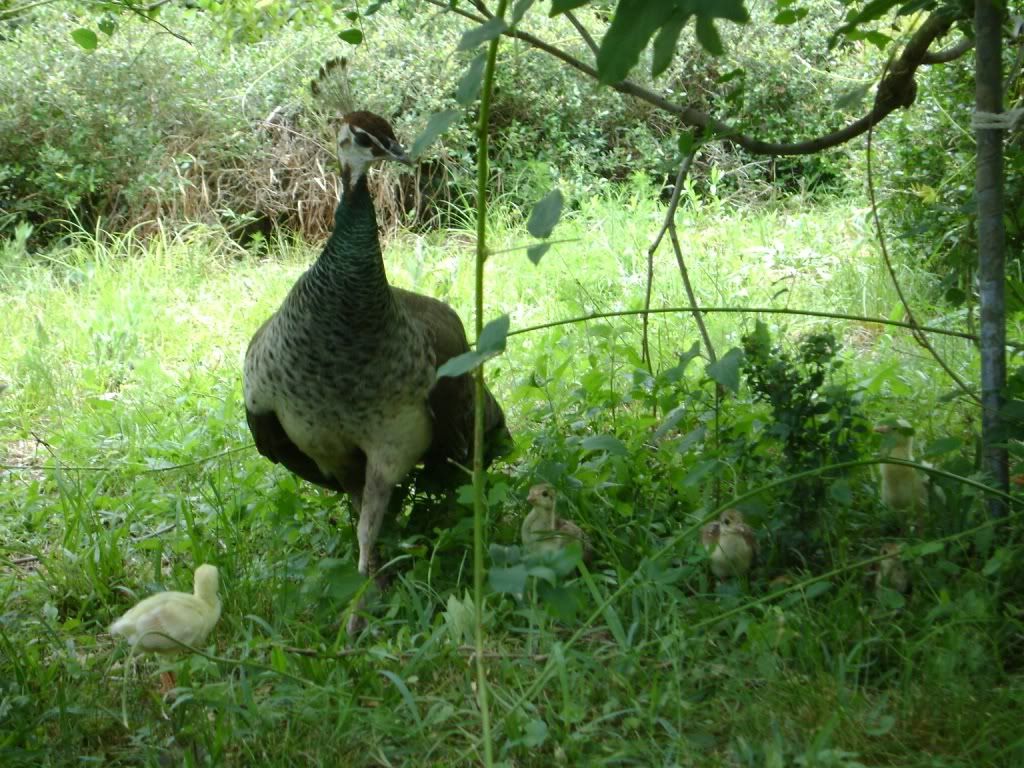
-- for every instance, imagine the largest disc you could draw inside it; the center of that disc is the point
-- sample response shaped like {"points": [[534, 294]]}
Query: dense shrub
{"points": [[148, 127]]}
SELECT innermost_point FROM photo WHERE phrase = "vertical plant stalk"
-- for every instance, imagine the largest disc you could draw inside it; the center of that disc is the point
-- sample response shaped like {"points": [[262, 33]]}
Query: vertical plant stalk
{"points": [[479, 509], [669, 225], [988, 98]]}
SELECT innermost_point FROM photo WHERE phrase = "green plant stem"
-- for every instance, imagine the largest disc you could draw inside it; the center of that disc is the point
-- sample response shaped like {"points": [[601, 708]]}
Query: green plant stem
{"points": [[752, 310], [478, 380]]}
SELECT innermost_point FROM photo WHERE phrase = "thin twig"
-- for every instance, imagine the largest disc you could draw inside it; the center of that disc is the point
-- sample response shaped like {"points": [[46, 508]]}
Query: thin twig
{"points": [[673, 205], [897, 89], [880, 233], [142, 14], [110, 468], [587, 38], [753, 310], [28, 559], [698, 315]]}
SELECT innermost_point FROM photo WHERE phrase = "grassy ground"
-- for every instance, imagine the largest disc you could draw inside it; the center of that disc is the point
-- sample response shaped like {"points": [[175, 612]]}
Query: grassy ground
{"points": [[127, 463]]}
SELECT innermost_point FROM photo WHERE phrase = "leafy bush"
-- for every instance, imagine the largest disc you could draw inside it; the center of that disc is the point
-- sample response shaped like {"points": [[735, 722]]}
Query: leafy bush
{"points": [[146, 127]]}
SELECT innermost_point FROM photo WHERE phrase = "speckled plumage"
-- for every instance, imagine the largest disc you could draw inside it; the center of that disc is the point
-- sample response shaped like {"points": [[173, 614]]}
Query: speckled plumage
{"points": [[340, 382]]}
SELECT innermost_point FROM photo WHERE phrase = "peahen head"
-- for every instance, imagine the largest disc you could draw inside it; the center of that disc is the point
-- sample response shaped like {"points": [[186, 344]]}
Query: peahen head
{"points": [[363, 139]]}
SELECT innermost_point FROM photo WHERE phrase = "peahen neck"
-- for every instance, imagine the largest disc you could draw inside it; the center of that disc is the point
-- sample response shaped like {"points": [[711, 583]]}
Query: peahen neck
{"points": [[351, 267]]}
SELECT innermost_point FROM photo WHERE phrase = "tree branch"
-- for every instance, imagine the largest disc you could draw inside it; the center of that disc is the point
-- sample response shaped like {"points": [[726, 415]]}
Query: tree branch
{"points": [[897, 89], [947, 55]]}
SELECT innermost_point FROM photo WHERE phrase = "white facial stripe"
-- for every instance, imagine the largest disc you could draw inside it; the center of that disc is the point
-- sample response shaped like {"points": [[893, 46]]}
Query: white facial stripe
{"points": [[372, 138]]}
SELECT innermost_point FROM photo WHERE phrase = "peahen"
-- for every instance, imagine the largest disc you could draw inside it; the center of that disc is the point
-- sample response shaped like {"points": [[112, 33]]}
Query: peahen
{"points": [[340, 382]]}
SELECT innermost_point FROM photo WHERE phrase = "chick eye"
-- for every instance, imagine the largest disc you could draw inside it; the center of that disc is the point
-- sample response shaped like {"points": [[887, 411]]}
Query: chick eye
{"points": [[363, 140]]}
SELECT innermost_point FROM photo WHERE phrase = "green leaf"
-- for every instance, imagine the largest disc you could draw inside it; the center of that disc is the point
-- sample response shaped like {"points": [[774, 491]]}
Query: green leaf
{"points": [[607, 443], [85, 38], [406, 694], [700, 470], [891, 599], [107, 26], [942, 446], [789, 16], [666, 41], [461, 364], [561, 6], [927, 548], [470, 82], [510, 580], [490, 344], [504, 556], [726, 370], [877, 39], [520, 9], [353, 36], [492, 337], [438, 123], [536, 252], [633, 24], [545, 214], [672, 418], [708, 36], [489, 30], [853, 98], [840, 491], [817, 588], [534, 734]]}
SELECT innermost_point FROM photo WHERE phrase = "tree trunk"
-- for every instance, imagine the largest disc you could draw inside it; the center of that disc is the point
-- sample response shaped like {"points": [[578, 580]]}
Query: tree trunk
{"points": [[988, 96]]}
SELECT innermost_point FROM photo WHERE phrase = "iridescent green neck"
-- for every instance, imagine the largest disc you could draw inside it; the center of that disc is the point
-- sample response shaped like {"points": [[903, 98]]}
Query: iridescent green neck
{"points": [[351, 266]]}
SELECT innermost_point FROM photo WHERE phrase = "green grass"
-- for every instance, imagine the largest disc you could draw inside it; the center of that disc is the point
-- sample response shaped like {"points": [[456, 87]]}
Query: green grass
{"points": [[122, 361]]}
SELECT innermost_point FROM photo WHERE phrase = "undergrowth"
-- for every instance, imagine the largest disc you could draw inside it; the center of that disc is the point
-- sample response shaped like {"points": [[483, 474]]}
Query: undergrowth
{"points": [[127, 462]]}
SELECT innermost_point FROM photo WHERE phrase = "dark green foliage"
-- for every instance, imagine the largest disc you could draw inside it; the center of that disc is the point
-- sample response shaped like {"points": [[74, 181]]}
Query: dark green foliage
{"points": [[815, 421]]}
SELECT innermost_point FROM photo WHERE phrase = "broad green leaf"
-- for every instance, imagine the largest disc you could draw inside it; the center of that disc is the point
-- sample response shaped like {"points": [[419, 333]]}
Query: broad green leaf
{"points": [[86, 38], [877, 39], [700, 470], [607, 443], [107, 26], [708, 36], [534, 734], [561, 6], [490, 344], [545, 214], [492, 337], [891, 599], [726, 370], [817, 588], [789, 16], [489, 30], [510, 580], [942, 446], [438, 123], [666, 41], [927, 548], [840, 491], [520, 9], [353, 36], [504, 556], [672, 418], [461, 364], [536, 252], [633, 24], [470, 82]]}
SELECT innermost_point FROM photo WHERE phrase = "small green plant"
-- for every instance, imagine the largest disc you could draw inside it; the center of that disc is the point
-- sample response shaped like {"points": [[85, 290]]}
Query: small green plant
{"points": [[815, 419]]}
